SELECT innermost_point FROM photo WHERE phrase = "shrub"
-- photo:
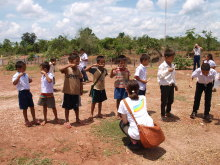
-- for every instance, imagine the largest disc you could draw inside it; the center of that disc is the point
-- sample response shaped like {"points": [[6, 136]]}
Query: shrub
{"points": [[10, 66], [182, 62], [31, 57]]}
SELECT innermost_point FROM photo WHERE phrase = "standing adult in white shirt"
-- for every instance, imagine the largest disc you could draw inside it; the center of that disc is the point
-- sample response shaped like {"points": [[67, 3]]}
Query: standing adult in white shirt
{"points": [[83, 64], [197, 52], [166, 78]]}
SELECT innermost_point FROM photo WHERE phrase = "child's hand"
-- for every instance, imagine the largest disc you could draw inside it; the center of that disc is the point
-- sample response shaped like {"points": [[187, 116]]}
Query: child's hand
{"points": [[72, 65], [170, 69], [43, 72], [176, 88], [21, 74]]}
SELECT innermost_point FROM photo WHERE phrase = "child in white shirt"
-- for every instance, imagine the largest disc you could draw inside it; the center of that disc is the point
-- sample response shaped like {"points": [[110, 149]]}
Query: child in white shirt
{"points": [[167, 81], [46, 97], [141, 74]]}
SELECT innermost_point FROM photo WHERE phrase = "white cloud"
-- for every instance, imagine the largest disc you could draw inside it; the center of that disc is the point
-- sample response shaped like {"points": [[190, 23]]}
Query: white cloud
{"points": [[170, 3], [9, 30], [145, 5], [39, 31], [193, 6], [30, 10], [10, 16], [63, 23]]}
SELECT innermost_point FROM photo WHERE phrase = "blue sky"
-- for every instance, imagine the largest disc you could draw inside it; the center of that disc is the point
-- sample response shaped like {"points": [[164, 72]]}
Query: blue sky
{"points": [[50, 18]]}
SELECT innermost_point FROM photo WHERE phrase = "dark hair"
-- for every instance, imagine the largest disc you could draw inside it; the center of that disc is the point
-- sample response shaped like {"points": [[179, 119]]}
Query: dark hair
{"points": [[82, 50], [144, 57], [169, 52], [45, 65], [210, 56], [121, 58], [132, 89], [98, 58], [53, 59], [205, 67], [19, 64], [73, 57]]}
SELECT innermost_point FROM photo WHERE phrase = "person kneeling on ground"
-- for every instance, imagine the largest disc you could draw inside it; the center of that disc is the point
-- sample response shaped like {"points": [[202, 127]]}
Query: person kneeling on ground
{"points": [[138, 107]]}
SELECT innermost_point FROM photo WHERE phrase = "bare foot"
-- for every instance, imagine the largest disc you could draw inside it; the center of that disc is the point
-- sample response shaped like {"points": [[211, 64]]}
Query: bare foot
{"points": [[90, 118], [56, 121], [36, 122], [43, 123], [27, 124], [78, 121], [67, 125], [100, 116]]}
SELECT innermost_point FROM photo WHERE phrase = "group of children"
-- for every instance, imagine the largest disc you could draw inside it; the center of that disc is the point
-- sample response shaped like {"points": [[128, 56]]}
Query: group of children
{"points": [[73, 86]]}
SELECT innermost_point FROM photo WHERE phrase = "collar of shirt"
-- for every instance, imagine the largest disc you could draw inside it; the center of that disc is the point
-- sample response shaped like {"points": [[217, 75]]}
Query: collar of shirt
{"points": [[142, 66]]}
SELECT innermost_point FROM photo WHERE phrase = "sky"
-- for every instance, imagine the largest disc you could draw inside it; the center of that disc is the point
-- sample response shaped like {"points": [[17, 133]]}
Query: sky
{"points": [[107, 18]]}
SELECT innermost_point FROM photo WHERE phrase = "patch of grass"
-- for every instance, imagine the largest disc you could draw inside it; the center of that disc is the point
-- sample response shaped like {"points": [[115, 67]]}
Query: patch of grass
{"points": [[180, 98], [31, 161], [109, 131], [33, 68], [65, 149], [110, 152], [8, 97]]}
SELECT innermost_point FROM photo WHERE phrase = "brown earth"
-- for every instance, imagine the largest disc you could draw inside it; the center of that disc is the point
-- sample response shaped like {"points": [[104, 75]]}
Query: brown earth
{"points": [[187, 141]]}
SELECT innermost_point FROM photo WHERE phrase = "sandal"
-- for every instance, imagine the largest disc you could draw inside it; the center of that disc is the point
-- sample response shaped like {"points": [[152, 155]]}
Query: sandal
{"points": [[67, 125], [27, 124]]}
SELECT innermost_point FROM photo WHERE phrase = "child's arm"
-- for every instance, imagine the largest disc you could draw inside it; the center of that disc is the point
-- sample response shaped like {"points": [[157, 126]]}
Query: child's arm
{"points": [[112, 74], [89, 67], [62, 70], [15, 82], [49, 80], [81, 88], [30, 79], [124, 118], [138, 79]]}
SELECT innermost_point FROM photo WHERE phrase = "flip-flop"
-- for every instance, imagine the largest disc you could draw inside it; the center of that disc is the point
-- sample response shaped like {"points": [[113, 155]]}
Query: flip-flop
{"points": [[67, 125], [36, 122], [28, 124]]}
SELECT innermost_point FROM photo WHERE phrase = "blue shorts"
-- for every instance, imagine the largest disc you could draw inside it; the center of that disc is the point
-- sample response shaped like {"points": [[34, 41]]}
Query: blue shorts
{"points": [[120, 93], [25, 99], [70, 101]]}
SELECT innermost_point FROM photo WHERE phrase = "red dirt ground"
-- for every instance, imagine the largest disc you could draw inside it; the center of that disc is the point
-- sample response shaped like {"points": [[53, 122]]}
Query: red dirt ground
{"points": [[187, 141]]}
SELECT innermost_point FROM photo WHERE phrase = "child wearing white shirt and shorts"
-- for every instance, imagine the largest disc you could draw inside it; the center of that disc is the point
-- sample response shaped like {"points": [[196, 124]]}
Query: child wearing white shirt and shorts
{"points": [[46, 97]]}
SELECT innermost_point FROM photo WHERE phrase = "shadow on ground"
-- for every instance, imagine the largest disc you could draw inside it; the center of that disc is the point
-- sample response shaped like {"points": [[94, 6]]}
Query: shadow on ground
{"points": [[148, 153]]}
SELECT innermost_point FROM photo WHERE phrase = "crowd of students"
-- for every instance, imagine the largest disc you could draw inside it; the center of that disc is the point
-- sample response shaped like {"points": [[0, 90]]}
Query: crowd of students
{"points": [[133, 91]]}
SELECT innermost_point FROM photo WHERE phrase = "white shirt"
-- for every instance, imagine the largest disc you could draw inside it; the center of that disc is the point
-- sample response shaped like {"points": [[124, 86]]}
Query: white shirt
{"points": [[52, 68], [23, 83], [164, 77], [83, 57], [141, 72], [197, 51], [139, 110], [47, 87], [211, 63], [202, 79]]}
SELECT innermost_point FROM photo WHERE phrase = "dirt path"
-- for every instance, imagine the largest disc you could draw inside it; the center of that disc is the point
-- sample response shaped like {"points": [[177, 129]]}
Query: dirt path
{"points": [[187, 141]]}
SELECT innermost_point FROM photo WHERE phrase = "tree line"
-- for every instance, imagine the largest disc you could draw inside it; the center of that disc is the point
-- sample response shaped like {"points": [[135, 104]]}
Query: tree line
{"points": [[111, 47]]}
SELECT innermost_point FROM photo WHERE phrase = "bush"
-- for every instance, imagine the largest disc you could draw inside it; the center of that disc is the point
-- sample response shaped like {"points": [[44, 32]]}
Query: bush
{"points": [[10, 66], [182, 62], [31, 57]]}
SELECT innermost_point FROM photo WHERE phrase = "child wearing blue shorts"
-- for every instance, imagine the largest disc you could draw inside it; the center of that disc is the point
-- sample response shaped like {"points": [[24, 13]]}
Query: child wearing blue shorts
{"points": [[22, 82], [121, 74]]}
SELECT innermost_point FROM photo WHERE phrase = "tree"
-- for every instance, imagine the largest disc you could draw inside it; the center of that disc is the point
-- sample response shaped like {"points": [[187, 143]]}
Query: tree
{"points": [[88, 40], [209, 39], [28, 38]]}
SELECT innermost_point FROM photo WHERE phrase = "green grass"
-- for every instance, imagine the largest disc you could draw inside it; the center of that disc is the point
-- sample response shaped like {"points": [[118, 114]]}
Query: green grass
{"points": [[180, 98], [33, 68], [31, 161], [108, 130]]}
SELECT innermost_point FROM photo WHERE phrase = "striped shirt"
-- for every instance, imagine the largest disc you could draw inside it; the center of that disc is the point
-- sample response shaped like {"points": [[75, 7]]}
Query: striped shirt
{"points": [[122, 76]]}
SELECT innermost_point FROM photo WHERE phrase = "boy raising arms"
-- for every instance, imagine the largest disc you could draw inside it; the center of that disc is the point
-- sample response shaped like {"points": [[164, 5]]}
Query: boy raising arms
{"points": [[22, 82], [72, 88], [141, 74], [122, 75], [205, 78], [98, 92], [167, 81]]}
